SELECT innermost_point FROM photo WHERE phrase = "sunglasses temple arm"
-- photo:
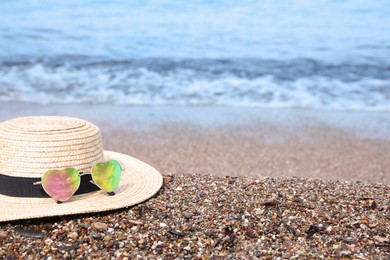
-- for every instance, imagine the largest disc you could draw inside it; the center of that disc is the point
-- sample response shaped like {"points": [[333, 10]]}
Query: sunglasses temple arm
{"points": [[40, 183]]}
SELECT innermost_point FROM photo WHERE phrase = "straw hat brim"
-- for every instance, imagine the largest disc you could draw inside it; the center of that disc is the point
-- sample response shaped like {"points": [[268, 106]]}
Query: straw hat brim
{"points": [[139, 182]]}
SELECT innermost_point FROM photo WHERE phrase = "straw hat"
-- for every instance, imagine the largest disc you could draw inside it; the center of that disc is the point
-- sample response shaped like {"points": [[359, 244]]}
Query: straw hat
{"points": [[29, 146]]}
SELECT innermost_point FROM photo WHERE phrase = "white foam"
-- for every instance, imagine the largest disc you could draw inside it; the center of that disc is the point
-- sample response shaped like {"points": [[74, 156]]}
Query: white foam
{"points": [[139, 85]]}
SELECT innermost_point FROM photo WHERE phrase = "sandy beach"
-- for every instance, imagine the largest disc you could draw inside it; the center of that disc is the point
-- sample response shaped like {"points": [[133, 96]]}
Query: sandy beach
{"points": [[248, 142], [238, 184]]}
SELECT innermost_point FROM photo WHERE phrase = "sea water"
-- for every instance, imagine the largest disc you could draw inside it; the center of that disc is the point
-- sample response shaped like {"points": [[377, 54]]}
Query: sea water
{"points": [[302, 54]]}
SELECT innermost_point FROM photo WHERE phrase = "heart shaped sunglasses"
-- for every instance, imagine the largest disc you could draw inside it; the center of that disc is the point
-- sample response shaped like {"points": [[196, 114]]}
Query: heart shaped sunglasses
{"points": [[61, 185]]}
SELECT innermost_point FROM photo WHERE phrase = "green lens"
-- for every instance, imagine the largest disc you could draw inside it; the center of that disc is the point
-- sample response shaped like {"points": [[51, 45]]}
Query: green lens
{"points": [[107, 175]]}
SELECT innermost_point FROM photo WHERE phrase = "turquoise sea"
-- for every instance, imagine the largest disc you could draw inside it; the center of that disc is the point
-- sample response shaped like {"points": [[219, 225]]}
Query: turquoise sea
{"points": [[328, 55]]}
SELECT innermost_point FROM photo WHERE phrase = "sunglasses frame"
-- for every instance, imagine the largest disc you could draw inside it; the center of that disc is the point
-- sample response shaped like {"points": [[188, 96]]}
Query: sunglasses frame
{"points": [[80, 174]]}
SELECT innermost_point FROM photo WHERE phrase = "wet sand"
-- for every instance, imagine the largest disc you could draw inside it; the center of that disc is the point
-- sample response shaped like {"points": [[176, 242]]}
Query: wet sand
{"points": [[247, 142]]}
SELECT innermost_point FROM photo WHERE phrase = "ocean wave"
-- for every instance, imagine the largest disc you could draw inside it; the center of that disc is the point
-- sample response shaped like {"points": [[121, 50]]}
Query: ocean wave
{"points": [[253, 83]]}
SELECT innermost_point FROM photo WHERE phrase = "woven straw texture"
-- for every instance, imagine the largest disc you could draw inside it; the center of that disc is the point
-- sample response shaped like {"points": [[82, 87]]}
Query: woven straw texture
{"points": [[30, 146]]}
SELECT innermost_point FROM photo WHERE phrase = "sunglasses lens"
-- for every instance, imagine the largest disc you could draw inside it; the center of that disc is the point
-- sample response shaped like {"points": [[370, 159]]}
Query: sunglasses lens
{"points": [[107, 175], [61, 184]]}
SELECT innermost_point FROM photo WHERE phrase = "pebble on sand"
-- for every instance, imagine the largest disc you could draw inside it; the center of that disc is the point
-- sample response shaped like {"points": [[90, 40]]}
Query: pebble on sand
{"points": [[244, 219], [100, 226], [3, 234]]}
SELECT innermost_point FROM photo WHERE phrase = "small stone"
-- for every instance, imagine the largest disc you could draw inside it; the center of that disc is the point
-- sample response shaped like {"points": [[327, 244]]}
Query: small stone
{"points": [[135, 228], [109, 244], [372, 225], [355, 223], [232, 180], [297, 199], [162, 224], [107, 238], [362, 226], [329, 229], [351, 247], [73, 235], [95, 235], [48, 241], [259, 211], [226, 238], [345, 253], [188, 215], [381, 239], [250, 234], [100, 226], [3, 234], [67, 248], [9, 254]]}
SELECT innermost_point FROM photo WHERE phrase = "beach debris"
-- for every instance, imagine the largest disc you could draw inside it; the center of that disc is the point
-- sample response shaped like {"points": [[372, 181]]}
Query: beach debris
{"points": [[29, 232], [135, 222], [272, 202], [175, 232], [292, 230], [314, 228], [250, 233]]}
